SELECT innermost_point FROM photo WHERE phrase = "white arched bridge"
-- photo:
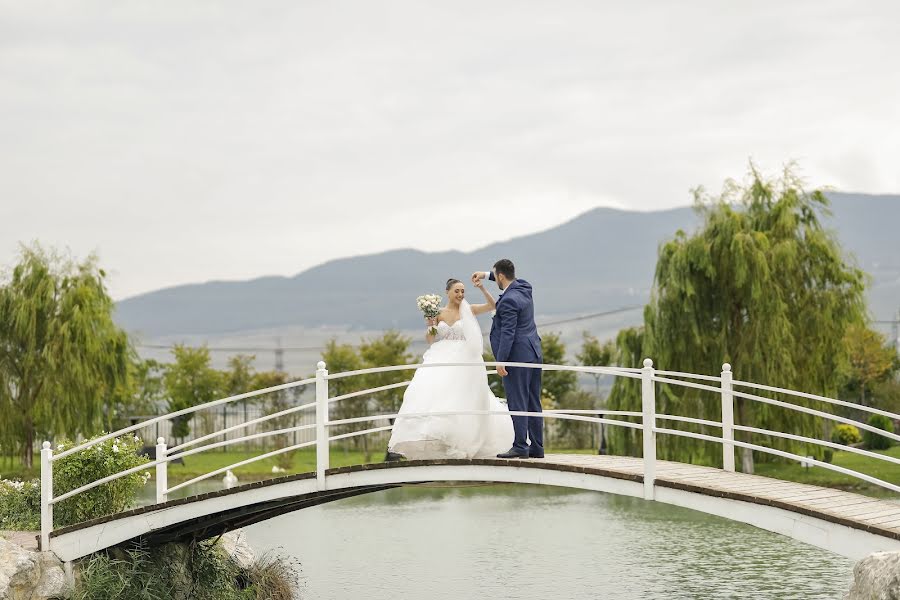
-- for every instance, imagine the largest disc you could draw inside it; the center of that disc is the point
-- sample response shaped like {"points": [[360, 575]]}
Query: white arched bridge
{"points": [[839, 521]]}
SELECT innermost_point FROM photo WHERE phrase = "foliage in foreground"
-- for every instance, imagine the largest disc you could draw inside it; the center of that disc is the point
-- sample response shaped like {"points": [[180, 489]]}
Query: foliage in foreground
{"points": [[196, 571], [20, 501]]}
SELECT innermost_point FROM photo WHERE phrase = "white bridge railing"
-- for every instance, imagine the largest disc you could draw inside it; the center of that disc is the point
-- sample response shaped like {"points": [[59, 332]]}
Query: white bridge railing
{"points": [[723, 385]]}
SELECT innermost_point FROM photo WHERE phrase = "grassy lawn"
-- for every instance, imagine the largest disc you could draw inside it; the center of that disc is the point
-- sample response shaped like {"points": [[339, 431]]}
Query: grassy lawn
{"points": [[825, 477], [304, 460]]}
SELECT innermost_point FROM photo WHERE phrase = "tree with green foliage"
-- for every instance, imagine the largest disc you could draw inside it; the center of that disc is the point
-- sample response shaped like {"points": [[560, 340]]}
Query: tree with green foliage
{"points": [[870, 359], [273, 403], [341, 358], [190, 381], [596, 354], [61, 355], [764, 286], [240, 375], [555, 384], [391, 348]]}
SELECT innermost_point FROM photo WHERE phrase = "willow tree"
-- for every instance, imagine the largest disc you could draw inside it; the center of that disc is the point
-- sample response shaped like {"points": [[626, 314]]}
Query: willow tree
{"points": [[61, 355], [763, 285]]}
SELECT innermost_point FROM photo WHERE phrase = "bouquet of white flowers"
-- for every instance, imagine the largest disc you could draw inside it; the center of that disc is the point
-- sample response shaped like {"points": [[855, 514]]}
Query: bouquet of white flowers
{"points": [[430, 305]]}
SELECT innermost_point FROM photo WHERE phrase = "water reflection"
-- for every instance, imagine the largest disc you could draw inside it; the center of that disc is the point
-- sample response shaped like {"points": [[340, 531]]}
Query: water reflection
{"points": [[511, 541]]}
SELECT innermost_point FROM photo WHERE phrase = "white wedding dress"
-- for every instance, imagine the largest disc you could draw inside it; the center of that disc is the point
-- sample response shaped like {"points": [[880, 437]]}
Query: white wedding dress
{"points": [[444, 389]]}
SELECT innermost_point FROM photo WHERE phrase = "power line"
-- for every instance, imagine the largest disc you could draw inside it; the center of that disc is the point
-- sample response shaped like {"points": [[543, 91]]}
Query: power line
{"points": [[281, 349]]}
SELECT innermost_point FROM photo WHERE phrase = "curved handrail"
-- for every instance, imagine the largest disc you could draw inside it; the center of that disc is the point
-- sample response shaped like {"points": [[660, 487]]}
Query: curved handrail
{"points": [[619, 371], [808, 396], [240, 464], [228, 430], [788, 405], [783, 454], [835, 445], [170, 457], [601, 416], [178, 413], [513, 413]]}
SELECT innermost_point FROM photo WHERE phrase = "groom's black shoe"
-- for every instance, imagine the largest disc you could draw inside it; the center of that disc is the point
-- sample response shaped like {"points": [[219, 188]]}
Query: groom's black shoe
{"points": [[513, 453], [393, 457], [535, 454]]}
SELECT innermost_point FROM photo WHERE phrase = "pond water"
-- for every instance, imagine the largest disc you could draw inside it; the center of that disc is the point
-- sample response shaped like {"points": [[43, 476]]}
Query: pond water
{"points": [[516, 541]]}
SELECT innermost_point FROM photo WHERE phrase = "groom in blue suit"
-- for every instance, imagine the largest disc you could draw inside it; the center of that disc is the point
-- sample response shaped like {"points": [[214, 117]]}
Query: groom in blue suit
{"points": [[514, 338]]}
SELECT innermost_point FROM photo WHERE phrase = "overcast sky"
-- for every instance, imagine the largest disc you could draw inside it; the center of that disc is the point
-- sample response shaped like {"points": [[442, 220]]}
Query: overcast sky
{"points": [[188, 141]]}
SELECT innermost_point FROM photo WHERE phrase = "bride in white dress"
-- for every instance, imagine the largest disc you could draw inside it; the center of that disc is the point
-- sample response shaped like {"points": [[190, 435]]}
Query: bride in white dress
{"points": [[444, 389]]}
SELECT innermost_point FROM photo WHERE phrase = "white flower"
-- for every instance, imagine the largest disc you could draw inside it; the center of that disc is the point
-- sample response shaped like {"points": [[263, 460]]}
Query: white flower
{"points": [[59, 447], [115, 448]]}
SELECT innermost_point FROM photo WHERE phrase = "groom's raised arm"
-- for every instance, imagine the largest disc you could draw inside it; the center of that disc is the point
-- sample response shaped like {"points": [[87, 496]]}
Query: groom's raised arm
{"points": [[509, 320]]}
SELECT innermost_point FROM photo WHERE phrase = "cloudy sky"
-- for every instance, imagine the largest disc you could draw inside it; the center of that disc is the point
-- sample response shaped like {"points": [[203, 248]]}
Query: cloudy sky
{"points": [[196, 140]]}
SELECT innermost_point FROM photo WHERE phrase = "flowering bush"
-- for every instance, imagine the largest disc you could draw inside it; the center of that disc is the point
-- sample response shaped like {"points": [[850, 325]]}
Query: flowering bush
{"points": [[20, 505], [103, 459], [845, 434]]}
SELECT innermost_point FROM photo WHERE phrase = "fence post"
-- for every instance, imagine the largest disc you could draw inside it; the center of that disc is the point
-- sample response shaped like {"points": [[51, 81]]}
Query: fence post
{"points": [[322, 446], [162, 472], [648, 403], [727, 420], [46, 495]]}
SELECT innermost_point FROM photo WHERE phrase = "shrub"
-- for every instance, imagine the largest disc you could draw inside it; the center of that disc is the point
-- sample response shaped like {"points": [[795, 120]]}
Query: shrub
{"points": [[875, 441], [97, 462], [845, 434], [20, 505], [199, 571]]}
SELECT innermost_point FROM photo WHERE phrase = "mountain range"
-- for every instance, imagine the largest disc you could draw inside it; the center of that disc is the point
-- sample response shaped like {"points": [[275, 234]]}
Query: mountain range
{"points": [[601, 260]]}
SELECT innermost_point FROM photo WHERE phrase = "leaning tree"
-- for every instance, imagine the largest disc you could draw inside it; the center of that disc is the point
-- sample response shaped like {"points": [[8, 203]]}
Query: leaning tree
{"points": [[62, 358], [763, 285]]}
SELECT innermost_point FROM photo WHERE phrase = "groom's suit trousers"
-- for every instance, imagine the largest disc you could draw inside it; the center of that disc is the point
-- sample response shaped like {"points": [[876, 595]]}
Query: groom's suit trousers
{"points": [[523, 392]]}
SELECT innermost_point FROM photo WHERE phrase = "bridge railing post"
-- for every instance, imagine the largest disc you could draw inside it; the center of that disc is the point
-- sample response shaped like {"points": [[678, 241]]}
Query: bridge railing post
{"points": [[727, 420], [162, 472], [648, 404], [46, 495], [322, 445]]}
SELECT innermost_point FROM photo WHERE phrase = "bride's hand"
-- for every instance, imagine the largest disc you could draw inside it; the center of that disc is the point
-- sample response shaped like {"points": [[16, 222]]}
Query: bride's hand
{"points": [[431, 322], [478, 283]]}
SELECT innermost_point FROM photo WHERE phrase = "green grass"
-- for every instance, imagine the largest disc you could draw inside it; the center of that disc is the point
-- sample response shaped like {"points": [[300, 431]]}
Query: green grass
{"points": [[304, 460], [885, 471]]}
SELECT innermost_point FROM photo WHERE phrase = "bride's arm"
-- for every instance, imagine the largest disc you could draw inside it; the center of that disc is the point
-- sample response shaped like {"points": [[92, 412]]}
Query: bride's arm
{"points": [[490, 305]]}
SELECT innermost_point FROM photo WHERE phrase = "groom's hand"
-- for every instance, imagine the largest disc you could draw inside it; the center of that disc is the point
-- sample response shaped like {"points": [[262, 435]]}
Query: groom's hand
{"points": [[478, 276], [501, 371]]}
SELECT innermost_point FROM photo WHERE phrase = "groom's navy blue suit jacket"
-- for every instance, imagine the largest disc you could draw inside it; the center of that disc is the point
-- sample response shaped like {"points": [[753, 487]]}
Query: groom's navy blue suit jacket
{"points": [[514, 336]]}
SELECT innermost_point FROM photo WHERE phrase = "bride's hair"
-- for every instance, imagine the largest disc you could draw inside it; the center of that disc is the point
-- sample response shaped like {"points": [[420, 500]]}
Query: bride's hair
{"points": [[451, 282]]}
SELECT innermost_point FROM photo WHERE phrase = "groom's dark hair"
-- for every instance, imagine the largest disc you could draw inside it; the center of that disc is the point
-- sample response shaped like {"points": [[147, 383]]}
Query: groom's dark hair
{"points": [[505, 267]]}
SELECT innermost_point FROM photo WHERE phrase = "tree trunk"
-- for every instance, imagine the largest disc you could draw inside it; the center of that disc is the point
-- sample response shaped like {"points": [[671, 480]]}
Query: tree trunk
{"points": [[746, 453], [747, 461], [28, 449]]}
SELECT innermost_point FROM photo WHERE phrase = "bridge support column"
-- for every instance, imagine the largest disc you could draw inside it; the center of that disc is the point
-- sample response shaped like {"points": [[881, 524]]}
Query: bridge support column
{"points": [[162, 472], [648, 403], [46, 495], [322, 445], [727, 420]]}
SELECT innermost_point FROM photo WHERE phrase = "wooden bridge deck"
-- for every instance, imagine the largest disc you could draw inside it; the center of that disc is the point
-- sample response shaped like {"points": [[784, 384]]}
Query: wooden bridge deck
{"points": [[878, 516]]}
